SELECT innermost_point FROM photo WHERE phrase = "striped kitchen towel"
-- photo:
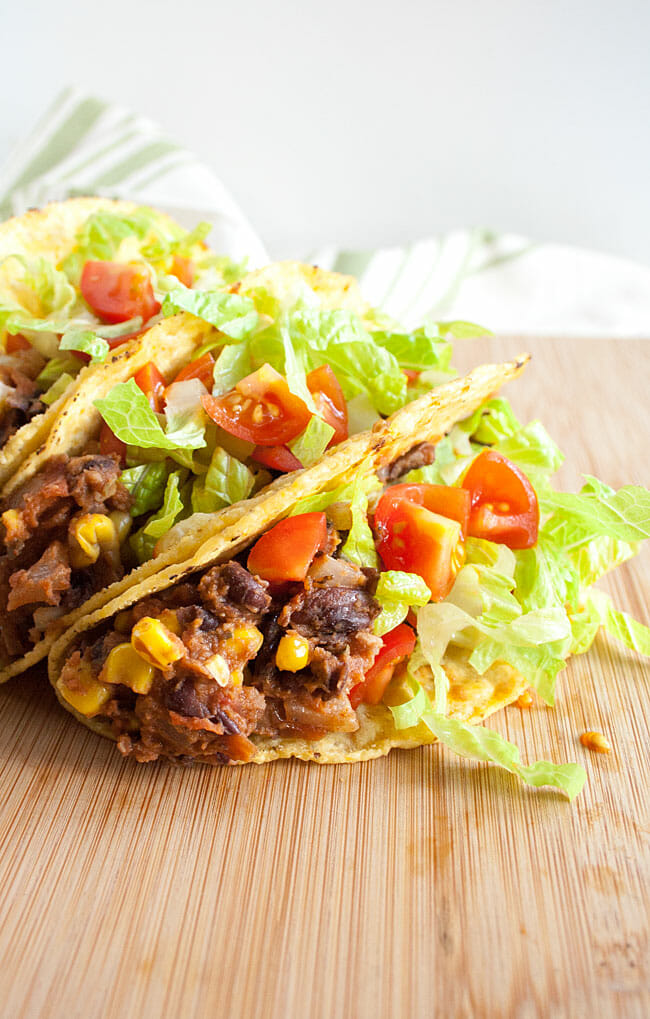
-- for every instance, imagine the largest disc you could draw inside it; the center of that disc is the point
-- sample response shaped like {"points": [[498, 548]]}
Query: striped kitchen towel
{"points": [[86, 146]]}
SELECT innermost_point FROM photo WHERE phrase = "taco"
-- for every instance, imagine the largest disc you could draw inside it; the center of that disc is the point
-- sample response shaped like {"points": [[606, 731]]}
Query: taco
{"points": [[78, 279], [392, 606], [235, 387]]}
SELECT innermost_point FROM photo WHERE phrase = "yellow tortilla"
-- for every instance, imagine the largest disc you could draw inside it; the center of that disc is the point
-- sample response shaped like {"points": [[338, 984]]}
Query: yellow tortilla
{"points": [[472, 697]]}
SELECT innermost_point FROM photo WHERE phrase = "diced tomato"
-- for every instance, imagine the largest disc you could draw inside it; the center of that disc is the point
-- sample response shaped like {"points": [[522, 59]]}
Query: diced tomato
{"points": [[152, 384], [504, 504], [109, 443], [202, 369], [411, 376], [183, 269], [418, 540], [329, 400], [278, 458], [447, 500], [397, 644], [16, 342], [260, 409], [117, 292], [286, 551]]}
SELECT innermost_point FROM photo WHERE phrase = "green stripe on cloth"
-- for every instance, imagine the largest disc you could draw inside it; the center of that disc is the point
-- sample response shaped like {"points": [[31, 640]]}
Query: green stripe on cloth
{"points": [[136, 161], [77, 124], [352, 263]]}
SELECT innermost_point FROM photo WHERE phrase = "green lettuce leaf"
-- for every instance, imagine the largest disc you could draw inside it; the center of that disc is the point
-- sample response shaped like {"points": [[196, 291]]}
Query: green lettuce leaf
{"points": [[127, 412], [58, 366], [232, 365], [57, 389], [146, 483], [310, 445], [460, 330], [227, 481], [41, 297], [87, 342], [620, 625], [232, 314], [418, 350], [184, 414], [397, 592], [481, 744], [622, 515], [144, 540], [359, 547]]}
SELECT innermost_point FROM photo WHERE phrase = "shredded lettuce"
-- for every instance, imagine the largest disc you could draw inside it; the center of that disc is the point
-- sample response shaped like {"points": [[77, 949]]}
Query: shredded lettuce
{"points": [[601, 611], [232, 314], [87, 342], [58, 366], [146, 483], [184, 414], [420, 349], [359, 547], [144, 540], [232, 365], [57, 389], [41, 297], [397, 592], [310, 445], [481, 744], [599, 512], [227, 481], [127, 413]]}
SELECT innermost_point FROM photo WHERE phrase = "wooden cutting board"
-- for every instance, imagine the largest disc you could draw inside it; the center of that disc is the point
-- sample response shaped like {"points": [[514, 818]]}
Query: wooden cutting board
{"points": [[416, 885]]}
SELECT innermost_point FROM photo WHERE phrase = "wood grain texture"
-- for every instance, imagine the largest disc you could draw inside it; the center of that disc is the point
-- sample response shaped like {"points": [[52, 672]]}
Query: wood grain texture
{"points": [[415, 885]]}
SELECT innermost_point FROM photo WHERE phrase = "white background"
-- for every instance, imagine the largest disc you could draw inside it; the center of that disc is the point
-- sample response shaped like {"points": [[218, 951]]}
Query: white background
{"points": [[368, 124]]}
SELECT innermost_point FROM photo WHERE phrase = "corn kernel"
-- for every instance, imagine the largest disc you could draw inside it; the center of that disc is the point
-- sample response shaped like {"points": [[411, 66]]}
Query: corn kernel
{"points": [[85, 693], [596, 741], [89, 535], [169, 619], [219, 669], [155, 643], [525, 700], [292, 653], [124, 665], [244, 642], [10, 518]]}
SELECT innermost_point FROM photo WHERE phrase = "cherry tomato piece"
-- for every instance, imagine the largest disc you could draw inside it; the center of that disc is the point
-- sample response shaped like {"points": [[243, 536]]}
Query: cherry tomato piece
{"points": [[183, 269], [202, 369], [152, 384], [397, 644], [504, 504], [278, 458], [117, 292], [260, 409], [447, 500], [286, 551], [329, 400], [413, 539]]}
